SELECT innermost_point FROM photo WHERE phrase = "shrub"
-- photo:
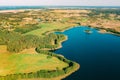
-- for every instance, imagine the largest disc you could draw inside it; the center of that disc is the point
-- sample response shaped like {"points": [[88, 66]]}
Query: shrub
{"points": [[49, 57]]}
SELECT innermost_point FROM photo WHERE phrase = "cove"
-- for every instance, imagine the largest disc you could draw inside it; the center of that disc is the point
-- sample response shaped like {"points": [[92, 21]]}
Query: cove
{"points": [[98, 54]]}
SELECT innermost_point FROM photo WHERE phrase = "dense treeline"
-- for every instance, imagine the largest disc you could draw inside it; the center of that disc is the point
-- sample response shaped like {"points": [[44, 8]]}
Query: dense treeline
{"points": [[17, 42], [110, 30], [53, 40], [105, 11], [113, 31], [7, 36], [44, 73], [24, 42], [27, 28]]}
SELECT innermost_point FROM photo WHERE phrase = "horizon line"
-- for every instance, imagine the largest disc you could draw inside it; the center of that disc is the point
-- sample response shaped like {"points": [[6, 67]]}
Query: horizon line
{"points": [[69, 5]]}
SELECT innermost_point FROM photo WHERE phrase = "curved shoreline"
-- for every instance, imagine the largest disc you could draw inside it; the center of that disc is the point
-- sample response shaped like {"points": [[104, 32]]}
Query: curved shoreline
{"points": [[76, 67], [59, 77], [62, 76], [107, 30], [60, 44]]}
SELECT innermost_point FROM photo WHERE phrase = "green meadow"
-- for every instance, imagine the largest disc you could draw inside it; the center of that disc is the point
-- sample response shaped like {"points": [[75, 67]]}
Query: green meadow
{"points": [[26, 63], [48, 27]]}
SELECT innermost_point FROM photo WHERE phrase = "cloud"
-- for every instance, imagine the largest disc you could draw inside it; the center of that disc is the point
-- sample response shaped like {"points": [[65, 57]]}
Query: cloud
{"points": [[62, 2]]}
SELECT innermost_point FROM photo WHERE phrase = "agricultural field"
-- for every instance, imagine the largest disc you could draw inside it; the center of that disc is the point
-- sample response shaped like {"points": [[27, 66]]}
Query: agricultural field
{"points": [[26, 63]]}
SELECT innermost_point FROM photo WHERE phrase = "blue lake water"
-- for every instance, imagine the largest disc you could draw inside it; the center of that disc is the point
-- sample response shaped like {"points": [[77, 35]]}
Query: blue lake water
{"points": [[98, 54]]}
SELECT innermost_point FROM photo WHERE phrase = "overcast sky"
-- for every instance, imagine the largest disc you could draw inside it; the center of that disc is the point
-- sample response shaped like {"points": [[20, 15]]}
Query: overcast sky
{"points": [[60, 2]]}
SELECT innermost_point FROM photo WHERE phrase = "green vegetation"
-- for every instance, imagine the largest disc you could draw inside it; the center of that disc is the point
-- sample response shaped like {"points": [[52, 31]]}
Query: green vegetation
{"points": [[48, 27], [105, 11], [26, 63], [25, 34], [13, 39], [110, 30], [31, 21], [20, 66], [27, 28]]}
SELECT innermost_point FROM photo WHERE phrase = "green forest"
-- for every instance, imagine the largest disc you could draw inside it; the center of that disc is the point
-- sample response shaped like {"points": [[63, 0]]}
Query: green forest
{"points": [[17, 42]]}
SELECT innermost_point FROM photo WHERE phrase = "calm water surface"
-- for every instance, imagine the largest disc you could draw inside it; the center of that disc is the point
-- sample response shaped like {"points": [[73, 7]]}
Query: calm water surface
{"points": [[98, 54]]}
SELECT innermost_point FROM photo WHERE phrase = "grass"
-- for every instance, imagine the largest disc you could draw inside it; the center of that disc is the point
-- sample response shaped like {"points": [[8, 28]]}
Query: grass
{"points": [[3, 50], [25, 63], [47, 27]]}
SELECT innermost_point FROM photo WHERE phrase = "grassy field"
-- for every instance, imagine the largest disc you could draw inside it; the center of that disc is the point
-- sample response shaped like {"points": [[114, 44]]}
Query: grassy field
{"points": [[3, 50], [47, 27], [25, 63]]}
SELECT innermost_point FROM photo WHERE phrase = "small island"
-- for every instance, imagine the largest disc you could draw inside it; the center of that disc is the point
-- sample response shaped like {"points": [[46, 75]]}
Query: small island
{"points": [[88, 31]]}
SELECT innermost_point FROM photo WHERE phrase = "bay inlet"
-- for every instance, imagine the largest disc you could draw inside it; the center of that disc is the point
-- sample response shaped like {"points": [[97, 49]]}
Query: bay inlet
{"points": [[98, 54]]}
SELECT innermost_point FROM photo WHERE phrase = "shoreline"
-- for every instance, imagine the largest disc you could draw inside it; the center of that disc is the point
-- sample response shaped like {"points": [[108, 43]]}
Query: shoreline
{"points": [[106, 31], [59, 77], [77, 66], [60, 45]]}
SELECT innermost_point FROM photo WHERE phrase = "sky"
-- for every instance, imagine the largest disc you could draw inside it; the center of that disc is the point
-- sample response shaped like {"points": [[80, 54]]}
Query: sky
{"points": [[60, 2]]}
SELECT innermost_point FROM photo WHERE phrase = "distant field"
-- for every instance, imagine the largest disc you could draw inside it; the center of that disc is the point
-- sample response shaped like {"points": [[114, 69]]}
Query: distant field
{"points": [[25, 63], [47, 27]]}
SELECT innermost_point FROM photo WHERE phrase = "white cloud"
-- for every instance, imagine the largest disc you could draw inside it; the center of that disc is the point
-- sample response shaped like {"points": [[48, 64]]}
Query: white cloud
{"points": [[62, 2]]}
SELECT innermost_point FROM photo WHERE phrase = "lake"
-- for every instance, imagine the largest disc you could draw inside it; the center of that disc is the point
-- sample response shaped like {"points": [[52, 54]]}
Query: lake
{"points": [[98, 54]]}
